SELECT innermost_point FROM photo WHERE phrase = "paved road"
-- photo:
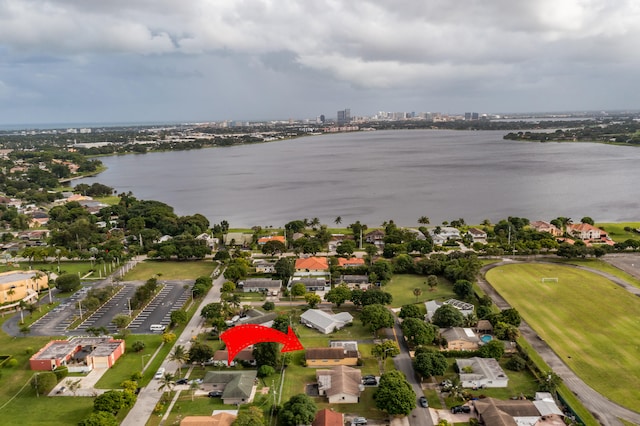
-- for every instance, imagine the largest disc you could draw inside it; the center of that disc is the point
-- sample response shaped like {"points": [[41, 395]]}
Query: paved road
{"points": [[419, 416], [150, 395], [605, 410]]}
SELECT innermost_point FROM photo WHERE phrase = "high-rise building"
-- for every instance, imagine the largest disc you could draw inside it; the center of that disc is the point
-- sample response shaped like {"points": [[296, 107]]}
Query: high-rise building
{"points": [[344, 117]]}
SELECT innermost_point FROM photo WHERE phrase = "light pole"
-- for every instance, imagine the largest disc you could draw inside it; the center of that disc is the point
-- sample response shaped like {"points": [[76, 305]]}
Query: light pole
{"points": [[129, 304], [142, 361], [80, 308]]}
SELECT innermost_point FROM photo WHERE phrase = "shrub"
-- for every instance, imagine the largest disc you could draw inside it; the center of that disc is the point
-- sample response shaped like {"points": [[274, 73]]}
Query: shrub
{"points": [[61, 372], [516, 363], [12, 363], [43, 383], [138, 346], [268, 306], [265, 370]]}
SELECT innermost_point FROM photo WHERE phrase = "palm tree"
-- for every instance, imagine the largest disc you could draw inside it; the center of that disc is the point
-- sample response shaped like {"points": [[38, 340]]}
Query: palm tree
{"points": [[179, 355], [338, 220], [167, 381], [417, 292], [315, 222], [424, 220]]}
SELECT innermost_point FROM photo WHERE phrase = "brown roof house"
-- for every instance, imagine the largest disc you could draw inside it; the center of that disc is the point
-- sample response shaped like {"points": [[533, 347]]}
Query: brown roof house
{"points": [[340, 384], [244, 356], [328, 417], [325, 357], [497, 412], [238, 387], [460, 339]]}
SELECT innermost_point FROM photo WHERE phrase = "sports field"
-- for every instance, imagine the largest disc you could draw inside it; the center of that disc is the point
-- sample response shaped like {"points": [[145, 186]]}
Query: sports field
{"points": [[590, 322]]}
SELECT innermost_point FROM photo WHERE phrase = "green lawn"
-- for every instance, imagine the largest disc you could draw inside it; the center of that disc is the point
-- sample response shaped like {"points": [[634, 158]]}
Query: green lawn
{"points": [[70, 267], [19, 403], [591, 323], [617, 233], [603, 266], [185, 406], [401, 288], [169, 270]]}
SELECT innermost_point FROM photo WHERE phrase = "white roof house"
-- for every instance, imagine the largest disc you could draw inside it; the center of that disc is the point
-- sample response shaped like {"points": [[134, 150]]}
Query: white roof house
{"points": [[447, 233], [481, 372], [325, 322], [464, 307]]}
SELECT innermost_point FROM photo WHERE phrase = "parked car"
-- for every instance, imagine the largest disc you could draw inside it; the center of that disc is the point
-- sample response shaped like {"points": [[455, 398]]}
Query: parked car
{"points": [[198, 381], [215, 394], [182, 381], [370, 382], [159, 373], [460, 409], [368, 376], [423, 402], [61, 390], [359, 421]]}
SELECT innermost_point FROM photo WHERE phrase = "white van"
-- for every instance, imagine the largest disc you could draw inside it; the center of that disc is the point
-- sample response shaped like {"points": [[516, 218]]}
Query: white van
{"points": [[159, 373], [157, 327]]}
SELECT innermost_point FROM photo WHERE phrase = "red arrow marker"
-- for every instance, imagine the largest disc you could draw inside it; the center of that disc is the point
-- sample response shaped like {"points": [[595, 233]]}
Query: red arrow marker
{"points": [[241, 336]]}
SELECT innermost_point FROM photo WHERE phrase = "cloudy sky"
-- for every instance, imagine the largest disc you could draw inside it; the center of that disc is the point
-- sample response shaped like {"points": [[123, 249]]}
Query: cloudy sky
{"points": [[196, 60]]}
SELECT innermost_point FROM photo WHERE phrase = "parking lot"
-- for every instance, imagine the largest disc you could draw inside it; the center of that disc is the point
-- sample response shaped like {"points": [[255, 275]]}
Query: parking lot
{"points": [[172, 296]]}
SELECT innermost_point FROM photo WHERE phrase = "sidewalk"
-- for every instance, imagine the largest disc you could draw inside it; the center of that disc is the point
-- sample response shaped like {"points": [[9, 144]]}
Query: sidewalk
{"points": [[150, 395]]}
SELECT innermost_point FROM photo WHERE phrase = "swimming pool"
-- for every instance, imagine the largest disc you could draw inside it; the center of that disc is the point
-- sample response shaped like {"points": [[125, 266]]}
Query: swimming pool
{"points": [[486, 338]]}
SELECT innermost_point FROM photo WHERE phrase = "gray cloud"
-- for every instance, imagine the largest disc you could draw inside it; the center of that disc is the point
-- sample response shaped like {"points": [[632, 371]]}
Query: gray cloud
{"points": [[402, 51]]}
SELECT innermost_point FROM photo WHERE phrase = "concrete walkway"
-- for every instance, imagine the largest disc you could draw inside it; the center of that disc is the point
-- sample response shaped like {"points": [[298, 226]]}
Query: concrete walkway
{"points": [[150, 395], [605, 410]]}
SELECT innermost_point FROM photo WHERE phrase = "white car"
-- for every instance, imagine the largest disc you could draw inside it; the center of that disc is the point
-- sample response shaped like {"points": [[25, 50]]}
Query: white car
{"points": [[159, 373]]}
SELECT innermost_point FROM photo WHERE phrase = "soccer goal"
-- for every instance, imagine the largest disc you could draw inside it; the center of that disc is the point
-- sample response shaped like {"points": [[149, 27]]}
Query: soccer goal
{"points": [[550, 280]]}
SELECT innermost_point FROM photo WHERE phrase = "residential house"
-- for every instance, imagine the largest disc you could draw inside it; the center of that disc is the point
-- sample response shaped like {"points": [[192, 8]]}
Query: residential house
{"points": [[264, 240], [484, 327], [210, 241], [465, 308], [353, 262], [546, 404], [312, 264], [376, 238], [335, 241], [256, 317], [481, 373], [586, 232], [327, 417], [264, 266], [341, 385], [442, 234], [325, 322], [496, 412], [416, 233], [245, 356], [432, 306], [355, 281], [318, 284], [238, 387], [79, 354], [326, 357], [260, 285], [477, 235], [542, 226], [460, 339]]}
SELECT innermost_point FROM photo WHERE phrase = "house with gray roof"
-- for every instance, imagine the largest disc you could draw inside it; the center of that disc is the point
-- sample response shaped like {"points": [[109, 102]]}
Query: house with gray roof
{"points": [[260, 285], [238, 387], [481, 373], [325, 322]]}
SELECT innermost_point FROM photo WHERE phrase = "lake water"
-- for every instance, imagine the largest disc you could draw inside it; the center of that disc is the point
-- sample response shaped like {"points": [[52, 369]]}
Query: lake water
{"points": [[382, 175]]}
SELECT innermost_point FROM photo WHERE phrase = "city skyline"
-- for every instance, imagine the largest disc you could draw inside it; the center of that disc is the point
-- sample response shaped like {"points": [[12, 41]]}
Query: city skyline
{"points": [[81, 62]]}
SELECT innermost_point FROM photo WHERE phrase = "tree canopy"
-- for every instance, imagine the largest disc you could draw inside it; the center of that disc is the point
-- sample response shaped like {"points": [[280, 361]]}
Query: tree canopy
{"points": [[394, 394], [298, 410]]}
